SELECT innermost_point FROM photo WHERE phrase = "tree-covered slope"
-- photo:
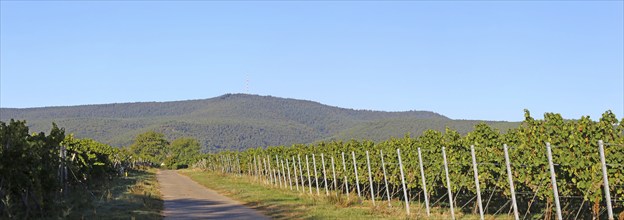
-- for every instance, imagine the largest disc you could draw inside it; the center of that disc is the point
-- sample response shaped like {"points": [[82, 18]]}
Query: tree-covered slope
{"points": [[232, 120], [380, 130]]}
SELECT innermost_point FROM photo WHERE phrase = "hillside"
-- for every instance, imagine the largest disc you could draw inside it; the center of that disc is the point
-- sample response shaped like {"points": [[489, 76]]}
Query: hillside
{"points": [[233, 121]]}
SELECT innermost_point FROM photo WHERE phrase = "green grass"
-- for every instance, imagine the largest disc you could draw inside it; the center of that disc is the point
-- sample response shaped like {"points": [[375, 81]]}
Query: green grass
{"points": [[134, 197], [286, 204]]}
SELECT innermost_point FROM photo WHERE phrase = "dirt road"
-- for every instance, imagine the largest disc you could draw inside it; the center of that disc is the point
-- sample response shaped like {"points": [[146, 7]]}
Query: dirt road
{"points": [[186, 199]]}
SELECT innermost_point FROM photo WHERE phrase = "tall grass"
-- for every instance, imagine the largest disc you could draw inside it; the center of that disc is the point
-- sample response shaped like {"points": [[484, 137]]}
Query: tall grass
{"points": [[286, 204], [134, 197]]}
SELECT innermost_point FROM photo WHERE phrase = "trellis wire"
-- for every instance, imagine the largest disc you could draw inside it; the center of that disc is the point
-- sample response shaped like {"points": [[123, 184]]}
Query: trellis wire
{"points": [[258, 168]]}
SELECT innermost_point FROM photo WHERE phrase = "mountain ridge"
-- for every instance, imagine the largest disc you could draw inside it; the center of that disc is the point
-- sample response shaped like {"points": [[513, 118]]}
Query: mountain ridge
{"points": [[222, 97], [230, 121]]}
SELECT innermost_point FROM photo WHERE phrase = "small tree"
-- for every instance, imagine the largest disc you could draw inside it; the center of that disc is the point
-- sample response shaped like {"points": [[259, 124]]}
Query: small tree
{"points": [[151, 146], [183, 152]]}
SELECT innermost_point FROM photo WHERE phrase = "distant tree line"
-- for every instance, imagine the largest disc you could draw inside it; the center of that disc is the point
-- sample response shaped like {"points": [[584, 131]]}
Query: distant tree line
{"points": [[153, 147]]}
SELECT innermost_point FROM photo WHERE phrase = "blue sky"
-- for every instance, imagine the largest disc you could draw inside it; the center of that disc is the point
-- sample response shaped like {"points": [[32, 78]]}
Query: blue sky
{"points": [[466, 60]]}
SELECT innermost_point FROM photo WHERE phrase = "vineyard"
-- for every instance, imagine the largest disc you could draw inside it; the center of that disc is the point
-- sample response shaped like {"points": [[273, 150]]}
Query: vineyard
{"points": [[544, 169], [40, 174]]}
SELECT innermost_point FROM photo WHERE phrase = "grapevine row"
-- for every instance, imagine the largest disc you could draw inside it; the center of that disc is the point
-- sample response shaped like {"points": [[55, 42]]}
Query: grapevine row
{"points": [[575, 155], [39, 172]]}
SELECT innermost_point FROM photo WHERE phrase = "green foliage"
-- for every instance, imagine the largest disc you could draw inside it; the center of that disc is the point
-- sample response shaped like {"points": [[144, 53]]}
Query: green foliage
{"points": [[28, 167], [91, 159], [575, 151], [150, 146], [236, 121], [30, 174], [182, 152]]}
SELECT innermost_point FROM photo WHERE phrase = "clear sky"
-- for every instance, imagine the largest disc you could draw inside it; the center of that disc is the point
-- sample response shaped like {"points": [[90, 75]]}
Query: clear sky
{"points": [[466, 60]]}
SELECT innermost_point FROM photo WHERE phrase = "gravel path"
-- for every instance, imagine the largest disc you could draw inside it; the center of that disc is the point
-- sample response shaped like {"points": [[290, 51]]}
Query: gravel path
{"points": [[186, 199]]}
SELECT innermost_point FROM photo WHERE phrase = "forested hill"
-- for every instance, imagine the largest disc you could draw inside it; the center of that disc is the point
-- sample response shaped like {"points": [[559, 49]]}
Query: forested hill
{"points": [[233, 121]]}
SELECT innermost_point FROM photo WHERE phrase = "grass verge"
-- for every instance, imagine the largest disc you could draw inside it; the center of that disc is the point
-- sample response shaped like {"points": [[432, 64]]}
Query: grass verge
{"points": [[134, 197], [286, 204]]}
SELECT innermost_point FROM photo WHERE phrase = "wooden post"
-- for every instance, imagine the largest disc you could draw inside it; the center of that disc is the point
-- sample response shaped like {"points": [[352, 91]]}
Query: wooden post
{"points": [[553, 180], [476, 176], [234, 166], [605, 179], [260, 168], [324, 174], [268, 171], [424, 183], [226, 164], [357, 179], [344, 168], [383, 166], [407, 209], [267, 176], [279, 175], [255, 163], [315, 175], [283, 173], [259, 164], [238, 166], [295, 171], [334, 175], [223, 166], [308, 168], [448, 184], [511, 185], [274, 178], [301, 173], [230, 164], [271, 171], [283, 178], [289, 178], [370, 178]]}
